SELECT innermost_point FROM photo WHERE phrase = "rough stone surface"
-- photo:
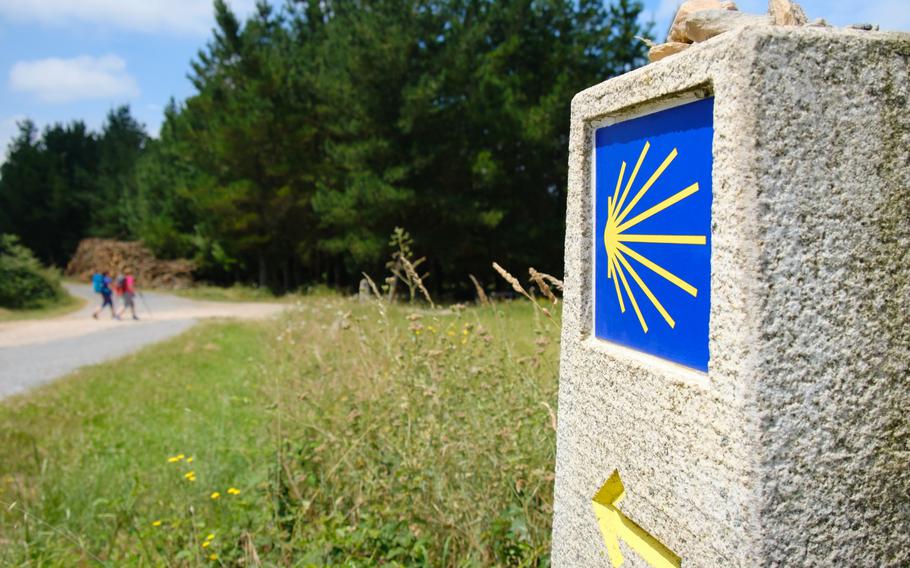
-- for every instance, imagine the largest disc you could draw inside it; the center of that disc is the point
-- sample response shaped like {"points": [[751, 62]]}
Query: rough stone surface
{"points": [[658, 52], [709, 23], [794, 448], [677, 31], [364, 292], [786, 13]]}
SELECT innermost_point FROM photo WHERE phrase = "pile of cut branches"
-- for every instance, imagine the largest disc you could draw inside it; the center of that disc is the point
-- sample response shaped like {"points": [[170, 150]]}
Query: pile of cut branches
{"points": [[117, 256]]}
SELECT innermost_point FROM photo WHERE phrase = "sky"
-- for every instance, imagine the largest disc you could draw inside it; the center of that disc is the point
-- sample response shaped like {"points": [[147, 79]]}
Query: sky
{"points": [[62, 60]]}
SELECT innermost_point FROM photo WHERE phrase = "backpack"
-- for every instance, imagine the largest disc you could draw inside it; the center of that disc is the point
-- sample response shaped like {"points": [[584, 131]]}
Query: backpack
{"points": [[97, 282], [120, 285]]}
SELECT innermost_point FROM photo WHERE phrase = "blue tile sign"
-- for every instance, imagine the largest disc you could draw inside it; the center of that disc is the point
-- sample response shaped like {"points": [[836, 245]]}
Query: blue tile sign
{"points": [[652, 260]]}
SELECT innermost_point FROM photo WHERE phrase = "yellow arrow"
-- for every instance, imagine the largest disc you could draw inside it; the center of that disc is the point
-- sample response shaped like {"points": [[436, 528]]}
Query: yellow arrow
{"points": [[614, 526]]}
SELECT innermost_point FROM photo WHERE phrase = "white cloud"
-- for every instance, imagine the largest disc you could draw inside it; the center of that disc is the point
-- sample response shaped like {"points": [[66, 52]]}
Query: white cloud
{"points": [[175, 16], [57, 80]]}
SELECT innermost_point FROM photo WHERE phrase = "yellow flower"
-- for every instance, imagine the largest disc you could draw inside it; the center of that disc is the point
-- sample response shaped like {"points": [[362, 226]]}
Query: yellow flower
{"points": [[210, 537], [463, 332], [450, 333], [156, 523], [206, 544], [213, 556], [190, 476], [175, 459], [189, 459], [233, 491], [215, 495]]}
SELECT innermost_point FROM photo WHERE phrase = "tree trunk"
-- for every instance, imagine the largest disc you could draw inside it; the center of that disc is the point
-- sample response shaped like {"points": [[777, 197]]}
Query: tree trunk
{"points": [[263, 272]]}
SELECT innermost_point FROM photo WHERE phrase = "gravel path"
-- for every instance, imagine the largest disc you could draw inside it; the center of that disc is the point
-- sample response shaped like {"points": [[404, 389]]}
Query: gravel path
{"points": [[38, 351]]}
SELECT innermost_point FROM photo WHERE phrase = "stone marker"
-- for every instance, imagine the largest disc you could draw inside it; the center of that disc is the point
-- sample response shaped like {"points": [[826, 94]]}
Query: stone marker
{"points": [[735, 370]]}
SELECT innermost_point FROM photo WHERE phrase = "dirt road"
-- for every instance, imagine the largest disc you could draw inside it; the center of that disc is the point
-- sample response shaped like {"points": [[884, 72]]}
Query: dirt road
{"points": [[38, 351]]}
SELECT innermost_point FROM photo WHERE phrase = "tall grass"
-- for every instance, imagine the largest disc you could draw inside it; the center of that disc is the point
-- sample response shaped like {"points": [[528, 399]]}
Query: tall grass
{"points": [[423, 437], [357, 434]]}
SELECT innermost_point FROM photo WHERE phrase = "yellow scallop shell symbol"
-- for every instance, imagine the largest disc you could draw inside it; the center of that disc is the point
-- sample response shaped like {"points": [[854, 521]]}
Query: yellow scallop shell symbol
{"points": [[617, 239]]}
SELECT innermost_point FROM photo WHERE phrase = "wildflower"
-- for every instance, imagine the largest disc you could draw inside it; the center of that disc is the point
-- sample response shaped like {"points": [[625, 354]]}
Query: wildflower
{"points": [[215, 495], [211, 536], [213, 556], [450, 333], [206, 543], [233, 491], [189, 459], [190, 476], [156, 523], [175, 459]]}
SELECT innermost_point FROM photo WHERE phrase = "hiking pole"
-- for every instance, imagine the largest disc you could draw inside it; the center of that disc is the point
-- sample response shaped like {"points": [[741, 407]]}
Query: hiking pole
{"points": [[144, 303]]}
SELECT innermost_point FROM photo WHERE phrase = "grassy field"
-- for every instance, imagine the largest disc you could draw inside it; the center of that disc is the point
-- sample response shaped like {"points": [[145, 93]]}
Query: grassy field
{"points": [[235, 293], [66, 305], [343, 433]]}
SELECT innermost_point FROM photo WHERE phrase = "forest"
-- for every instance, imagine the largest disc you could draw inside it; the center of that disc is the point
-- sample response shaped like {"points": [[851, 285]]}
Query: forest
{"points": [[318, 127]]}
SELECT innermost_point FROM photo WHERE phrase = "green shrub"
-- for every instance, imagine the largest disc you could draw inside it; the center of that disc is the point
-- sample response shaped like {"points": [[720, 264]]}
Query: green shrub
{"points": [[24, 283]]}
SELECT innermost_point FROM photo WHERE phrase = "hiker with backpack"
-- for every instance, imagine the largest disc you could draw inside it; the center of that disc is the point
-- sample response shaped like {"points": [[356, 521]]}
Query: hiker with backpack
{"points": [[101, 283], [126, 289]]}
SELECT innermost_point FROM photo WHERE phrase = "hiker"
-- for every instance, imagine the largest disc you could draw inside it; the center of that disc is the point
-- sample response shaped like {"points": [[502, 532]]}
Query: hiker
{"points": [[101, 282], [126, 288]]}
